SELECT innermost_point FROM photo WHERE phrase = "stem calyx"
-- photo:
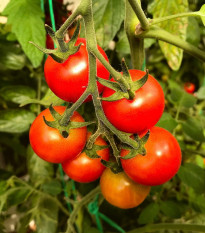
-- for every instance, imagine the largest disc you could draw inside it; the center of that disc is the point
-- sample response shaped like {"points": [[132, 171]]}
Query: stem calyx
{"points": [[64, 49]]}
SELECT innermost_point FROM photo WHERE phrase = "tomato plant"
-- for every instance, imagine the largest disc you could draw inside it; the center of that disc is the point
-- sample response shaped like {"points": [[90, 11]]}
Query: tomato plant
{"points": [[69, 80], [189, 87], [141, 113], [50, 145], [85, 169], [161, 162], [119, 190]]}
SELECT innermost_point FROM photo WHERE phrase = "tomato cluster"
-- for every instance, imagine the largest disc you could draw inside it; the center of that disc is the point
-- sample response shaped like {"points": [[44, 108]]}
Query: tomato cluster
{"points": [[138, 115]]}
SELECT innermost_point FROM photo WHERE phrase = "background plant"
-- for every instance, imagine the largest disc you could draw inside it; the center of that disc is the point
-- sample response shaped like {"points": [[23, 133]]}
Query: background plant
{"points": [[31, 189]]}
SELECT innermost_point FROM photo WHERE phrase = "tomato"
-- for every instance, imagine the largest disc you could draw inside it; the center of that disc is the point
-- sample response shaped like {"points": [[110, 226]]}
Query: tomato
{"points": [[161, 162], [49, 42], [141, 113], [69, 80], [189, 87], [50, 145], [84, 169], [119, 190]]}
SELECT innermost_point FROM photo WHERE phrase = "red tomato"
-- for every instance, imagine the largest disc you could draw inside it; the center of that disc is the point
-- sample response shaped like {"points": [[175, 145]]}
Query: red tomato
{"points": [[50, 145], [141, 113], [119, 190], [84, 169], [49, 42], [161, 162], [189, 87], [69, 80]]}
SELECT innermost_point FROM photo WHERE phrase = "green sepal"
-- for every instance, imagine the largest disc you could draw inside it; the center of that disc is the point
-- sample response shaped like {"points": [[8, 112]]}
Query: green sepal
{"points": [[54, 113], [52, 124], [140, 150], [92, 153], [133, 153], [125, 71], [116, 96], [139, 83], [115, 168], [112, 85], [74, 124], [63, 50]]}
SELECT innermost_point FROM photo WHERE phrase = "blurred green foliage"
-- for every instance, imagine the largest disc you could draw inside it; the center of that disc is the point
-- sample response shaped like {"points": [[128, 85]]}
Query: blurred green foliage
{"points": [[31, 188]]}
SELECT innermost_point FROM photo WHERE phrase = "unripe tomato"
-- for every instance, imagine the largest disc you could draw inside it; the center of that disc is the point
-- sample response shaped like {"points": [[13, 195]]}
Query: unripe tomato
{"points": [[50, 145], [161, 162], [68, 80], [119, 190], [189, 87], [141, 113], [84, 169]]}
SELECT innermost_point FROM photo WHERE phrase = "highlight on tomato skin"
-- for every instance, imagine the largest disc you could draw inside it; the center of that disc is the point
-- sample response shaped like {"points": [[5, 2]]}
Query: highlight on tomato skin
{"points": [[161, 162], [84, 169], [69, 80], [50, 145], [141, 113], [121, 191]]}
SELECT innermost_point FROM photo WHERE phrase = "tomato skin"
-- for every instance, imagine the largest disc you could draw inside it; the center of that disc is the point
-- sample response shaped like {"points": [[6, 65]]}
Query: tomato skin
{"points": [[84, 169], [69, 80], [119, 190], [189, 87], [50, 145], [49, 42], [141, 113], [161, 162]]}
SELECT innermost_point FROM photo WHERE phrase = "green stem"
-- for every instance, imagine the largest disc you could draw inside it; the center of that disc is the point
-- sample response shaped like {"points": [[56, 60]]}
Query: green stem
{"points": [[163, 35], [140, 14], [136, 44], [186, 14], [169, 226], [85, 200]]}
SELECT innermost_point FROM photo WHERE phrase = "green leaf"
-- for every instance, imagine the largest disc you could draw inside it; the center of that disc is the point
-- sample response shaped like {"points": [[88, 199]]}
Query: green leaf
{"points": [[108, 17], [17, 195], [202, 14], [39, 170], [26, 18], [52, 187], [170, 209], [15, 121], [167, 122], [47, 216], [193, 31], [178, 27], [193, 176], [194, 129], [17, 94], [201, 93], [47, 100], [11, 57], [182, 98], [149, 213]]}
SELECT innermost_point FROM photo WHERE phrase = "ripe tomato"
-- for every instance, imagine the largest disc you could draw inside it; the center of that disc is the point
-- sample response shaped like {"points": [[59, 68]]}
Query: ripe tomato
{"points": [[141, 113], [49, 42], [50, 145], [119, 190], [84, 169], [69, 80], [189, 87], [161, 162]]}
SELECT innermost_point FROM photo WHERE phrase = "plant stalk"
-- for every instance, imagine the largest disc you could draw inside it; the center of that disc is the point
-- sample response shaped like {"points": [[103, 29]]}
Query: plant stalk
{"points": [[136, 44], [163, 35]]}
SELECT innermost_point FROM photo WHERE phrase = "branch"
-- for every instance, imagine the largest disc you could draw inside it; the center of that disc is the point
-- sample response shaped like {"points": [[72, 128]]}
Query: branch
{"points": [[163, 35]]}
